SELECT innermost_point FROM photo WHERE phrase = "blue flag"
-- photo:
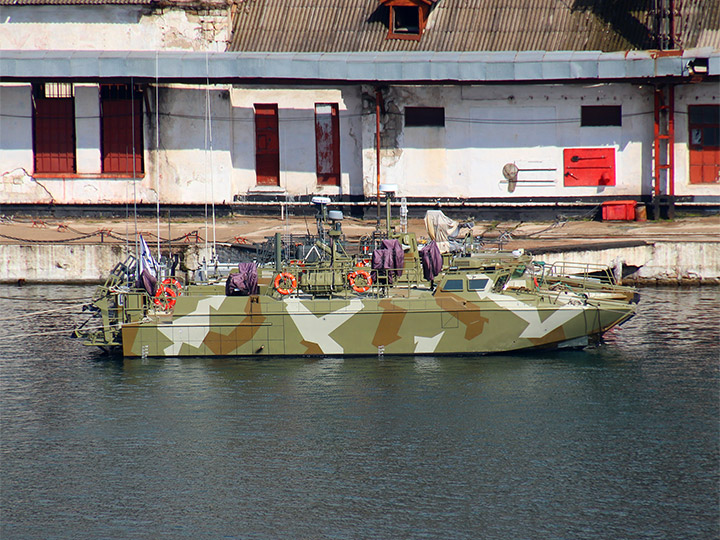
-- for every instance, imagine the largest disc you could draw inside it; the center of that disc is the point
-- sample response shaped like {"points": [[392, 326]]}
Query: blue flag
{"points": [[146, 259]]}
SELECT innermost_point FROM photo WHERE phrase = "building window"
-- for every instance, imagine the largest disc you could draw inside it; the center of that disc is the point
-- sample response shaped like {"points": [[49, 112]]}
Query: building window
{"points": [[54, 128], [424, 116], [704, 132], [601, 115], [122, 129], [407, 18], [327, 143]]}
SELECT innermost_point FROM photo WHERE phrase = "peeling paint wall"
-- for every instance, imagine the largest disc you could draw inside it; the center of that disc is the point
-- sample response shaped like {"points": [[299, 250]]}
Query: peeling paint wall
{"points": [[110, 27], [296, 127], [486, 127], [489, 126]]}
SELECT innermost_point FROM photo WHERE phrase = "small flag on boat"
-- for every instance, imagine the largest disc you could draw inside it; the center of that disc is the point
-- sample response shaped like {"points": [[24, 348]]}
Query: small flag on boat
{"points": [[146, 259]]}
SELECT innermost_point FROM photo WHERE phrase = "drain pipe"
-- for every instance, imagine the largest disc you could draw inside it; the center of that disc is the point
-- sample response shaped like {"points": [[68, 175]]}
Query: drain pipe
{"points": [[378, 98]]}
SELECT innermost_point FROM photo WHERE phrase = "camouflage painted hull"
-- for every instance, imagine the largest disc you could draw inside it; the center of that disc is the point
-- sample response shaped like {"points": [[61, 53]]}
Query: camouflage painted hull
{"points": [[413, 322]]}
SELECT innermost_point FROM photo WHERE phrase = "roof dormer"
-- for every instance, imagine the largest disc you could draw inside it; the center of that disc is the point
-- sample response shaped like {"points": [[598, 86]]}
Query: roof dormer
{"points": [[407, 18]]}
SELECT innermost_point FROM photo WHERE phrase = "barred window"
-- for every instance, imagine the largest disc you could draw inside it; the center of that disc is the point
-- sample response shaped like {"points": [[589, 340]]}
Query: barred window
{"points": [[54, 128], [122, 129]]}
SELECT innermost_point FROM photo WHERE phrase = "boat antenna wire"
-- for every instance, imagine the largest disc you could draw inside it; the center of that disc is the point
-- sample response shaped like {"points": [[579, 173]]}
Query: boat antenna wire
{"points": [[212, 177], [134, 179], [157, 154]]}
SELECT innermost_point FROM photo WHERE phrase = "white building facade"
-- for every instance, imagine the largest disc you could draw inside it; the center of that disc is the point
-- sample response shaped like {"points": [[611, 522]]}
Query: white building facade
{"points": [[144, 109]]}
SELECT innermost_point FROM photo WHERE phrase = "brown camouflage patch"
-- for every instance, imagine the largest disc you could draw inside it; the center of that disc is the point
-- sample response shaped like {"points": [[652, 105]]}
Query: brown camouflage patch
{"points": [[243, 333], [556, 336], [129, 334], [312, 347], [466, 312], [388, 330]]}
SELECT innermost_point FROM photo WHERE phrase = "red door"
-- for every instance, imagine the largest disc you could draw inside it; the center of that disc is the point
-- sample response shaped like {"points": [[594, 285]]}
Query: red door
{"points": [[267, 145], [327, 139], [704, 126]]}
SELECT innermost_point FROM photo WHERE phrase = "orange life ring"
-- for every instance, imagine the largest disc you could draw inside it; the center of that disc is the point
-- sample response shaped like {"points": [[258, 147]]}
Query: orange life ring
{"points": [[284, 277], [173, 283], [165, 297], [357, 288], [362, 262]]}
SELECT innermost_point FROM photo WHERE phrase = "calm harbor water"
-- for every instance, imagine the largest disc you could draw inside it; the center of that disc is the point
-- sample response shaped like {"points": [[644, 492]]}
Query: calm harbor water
{"points": [[621, 441]]}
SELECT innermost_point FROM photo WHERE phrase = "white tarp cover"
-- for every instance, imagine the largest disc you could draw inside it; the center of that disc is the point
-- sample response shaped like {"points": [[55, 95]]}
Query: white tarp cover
{"points": [[440, 228]]}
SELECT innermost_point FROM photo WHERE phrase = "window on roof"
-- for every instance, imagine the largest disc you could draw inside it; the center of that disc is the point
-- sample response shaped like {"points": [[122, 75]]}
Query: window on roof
{"points": [[600, 115], [407, 18]]}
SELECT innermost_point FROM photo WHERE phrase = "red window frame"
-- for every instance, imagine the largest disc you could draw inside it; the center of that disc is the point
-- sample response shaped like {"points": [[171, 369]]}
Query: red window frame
{"points": [[54, 129], [704, 143], [327, 144], [121, 147]]}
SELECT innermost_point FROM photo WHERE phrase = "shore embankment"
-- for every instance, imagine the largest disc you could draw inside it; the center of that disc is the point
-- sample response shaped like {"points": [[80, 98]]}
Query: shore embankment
{"points": [[679, 252]]}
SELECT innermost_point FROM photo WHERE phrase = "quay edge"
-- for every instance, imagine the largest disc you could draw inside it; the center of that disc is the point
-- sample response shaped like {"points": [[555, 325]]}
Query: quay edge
{"points": [[667, 263]]}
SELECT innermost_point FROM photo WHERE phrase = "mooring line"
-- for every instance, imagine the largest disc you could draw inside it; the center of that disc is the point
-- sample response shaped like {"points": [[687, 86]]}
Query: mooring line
{"points": [[33, 313], [47, 333]]}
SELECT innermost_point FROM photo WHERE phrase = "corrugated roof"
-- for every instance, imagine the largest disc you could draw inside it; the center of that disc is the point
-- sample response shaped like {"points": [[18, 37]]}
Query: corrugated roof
{"points": [[71, 2], [160, 3], [468, 25]]}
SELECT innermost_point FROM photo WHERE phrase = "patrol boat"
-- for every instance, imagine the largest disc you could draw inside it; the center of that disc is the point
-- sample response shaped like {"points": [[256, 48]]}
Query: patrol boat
{"points": [[391, 297]]}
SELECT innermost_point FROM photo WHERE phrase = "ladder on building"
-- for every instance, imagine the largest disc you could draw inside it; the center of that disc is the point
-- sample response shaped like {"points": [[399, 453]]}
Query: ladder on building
{"points": [[664, 153]]}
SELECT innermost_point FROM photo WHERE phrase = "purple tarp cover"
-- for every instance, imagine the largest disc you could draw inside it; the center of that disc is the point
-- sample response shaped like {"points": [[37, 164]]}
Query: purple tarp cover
{"points": [[431, 260], [244, 283], [389, 258]]}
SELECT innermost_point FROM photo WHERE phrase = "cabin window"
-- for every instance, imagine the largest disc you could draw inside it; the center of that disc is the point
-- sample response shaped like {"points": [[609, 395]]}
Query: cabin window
{"points": [[477, 284], [122, 129], [704, 131], [453, 285], [600, 115], [54, 128], [424, 116]]}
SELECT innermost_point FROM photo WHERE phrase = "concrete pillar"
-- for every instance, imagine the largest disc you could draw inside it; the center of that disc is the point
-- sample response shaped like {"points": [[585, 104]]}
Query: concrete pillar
{"points": [[87, 128], [16, 138]]}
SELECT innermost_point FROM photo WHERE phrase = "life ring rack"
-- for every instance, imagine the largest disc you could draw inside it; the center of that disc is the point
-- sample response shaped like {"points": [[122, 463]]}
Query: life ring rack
{"points": [[283, 278], [357, 288]]}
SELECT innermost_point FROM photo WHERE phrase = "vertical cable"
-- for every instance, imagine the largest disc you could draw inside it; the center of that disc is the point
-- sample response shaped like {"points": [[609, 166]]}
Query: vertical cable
{"points": [[212, 178], [205, 164], [134, 180], [157, 154]]}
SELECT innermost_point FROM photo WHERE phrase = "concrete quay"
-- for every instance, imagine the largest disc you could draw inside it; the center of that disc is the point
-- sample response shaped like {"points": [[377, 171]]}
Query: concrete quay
{"points": [[679, 252]]}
